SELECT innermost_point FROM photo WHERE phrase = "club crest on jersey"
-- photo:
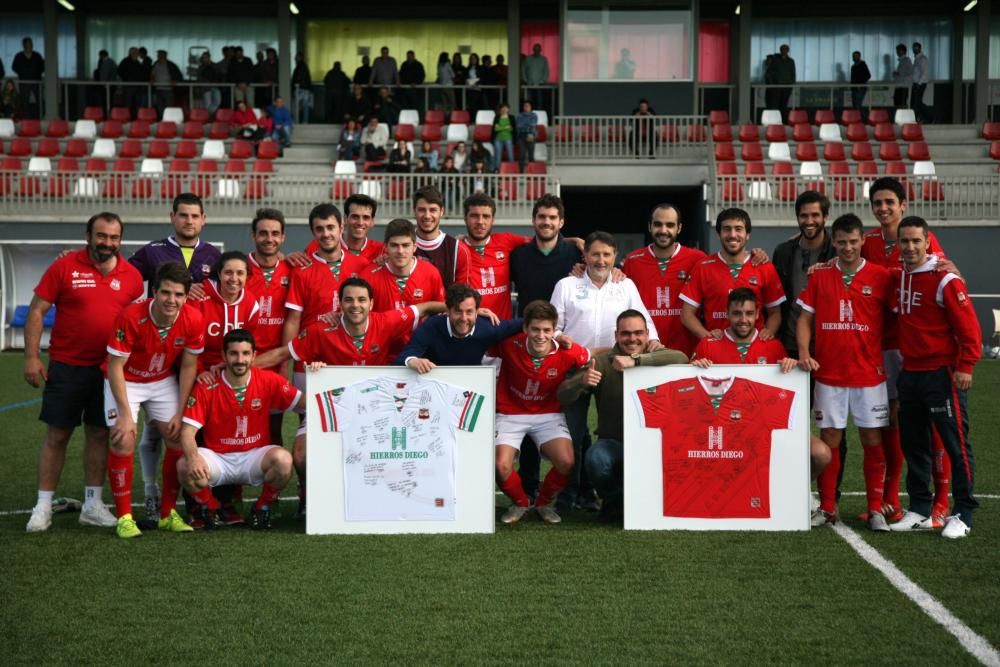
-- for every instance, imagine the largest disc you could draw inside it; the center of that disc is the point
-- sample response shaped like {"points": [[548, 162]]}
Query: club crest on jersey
{"points": [[423, 413], [782, 394], [682, 275], [735, 415], [120, 335], [551, 373], [375, 348], [818, 414], [115, 284], [179, 342], [866, 290], [500, 255], [206, 269], [255, 404], [302, 334], [418, 294], [762, 360], [112, 414], [753, 280], [652, 390], [191, 401], [284, 281], [961, 297]]}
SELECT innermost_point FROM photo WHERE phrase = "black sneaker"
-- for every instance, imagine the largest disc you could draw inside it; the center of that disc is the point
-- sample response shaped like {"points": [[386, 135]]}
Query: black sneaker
{"points": [[207, 519], [260, 518], [229, 516]]}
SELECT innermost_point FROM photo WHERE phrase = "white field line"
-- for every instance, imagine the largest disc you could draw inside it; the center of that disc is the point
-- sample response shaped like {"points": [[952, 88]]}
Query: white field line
{"points": [[977, 645]]}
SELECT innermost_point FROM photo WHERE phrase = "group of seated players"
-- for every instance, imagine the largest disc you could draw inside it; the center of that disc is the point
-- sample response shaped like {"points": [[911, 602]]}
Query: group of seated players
{"points": [[210, 371]]}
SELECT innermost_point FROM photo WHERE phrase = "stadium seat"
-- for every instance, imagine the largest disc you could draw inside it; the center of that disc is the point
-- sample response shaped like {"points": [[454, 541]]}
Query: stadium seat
{"points": [[31, 183], [39, 165], [241, 150], [142, 186], [396, 190], [20, 147], [213, 150], [456, 133], [60, 182], [669, 133], [918, 151], [30, 127], [75, 148], [257, 182], [588, 134], [753, 169], [152, 167], [696, 134], [848, 116], [218, 130], [991, 131], [192, 130], [230, 187], [770, 117], [47, 147], [111, 129], [173, 115], [85, 129], [829, 132], [95, 114], [166, 130], [924, 168], [434, 117], [995, 150], [824, 116], [932, 190], [8, 164], [114, 185], [912, 132], [904, 116], [57, 128], [749, 132], [782, 169], [407, 132], [186, 150], [810, 168], [485, 117], [409, 117], [198, 115], [895, 168], [776, 133], [541, 134], [844, 188], [718, 117], [729, 168], [342, 188], [138, 129], [7, 129], [507, 186], [173, 182], [798, 117], [268, 150], [543, 117], [722, 133], [802, 132], [779, 152], [751, 152], [616, 134], [131, 148], [724, 153], [861, 151], [840, 169], [833, 152], [158, 148], [857, 132], [888, 151], [459, 117], [104, 148], [876, 116], [121, 114], [806, 151], [430, 133], [732, 190], [223, 115], [147, 114], [204, 179], [885, 132], [563, 134], [236, 167], [345, 167]]}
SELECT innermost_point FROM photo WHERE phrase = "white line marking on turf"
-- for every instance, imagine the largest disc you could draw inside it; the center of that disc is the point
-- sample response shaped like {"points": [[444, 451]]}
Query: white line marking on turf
{"points": [[975, 644], [112, 507]]}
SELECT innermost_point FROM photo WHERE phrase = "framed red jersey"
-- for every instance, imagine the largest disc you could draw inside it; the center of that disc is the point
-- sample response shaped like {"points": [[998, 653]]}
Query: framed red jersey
{"points": [[489, 271], [151, 353], [713, 280], [526, 385]]}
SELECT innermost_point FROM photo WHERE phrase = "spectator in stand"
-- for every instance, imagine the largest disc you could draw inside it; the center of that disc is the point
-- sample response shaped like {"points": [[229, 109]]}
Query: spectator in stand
{"points": [[501, 70], [146, 62], [411, 73], [9, 99], [488, 79], [784, 73], [164, 75], [450, 188], [461, 75], [208, 72], [29, 66], [374, 140], [446, 78], [265, 129], [860, 75], [503, 135], [386, 109], [358, 107], [535, 72], [244, 121], [105, 71], [222, 71], [363, 73], [480, 154], [282, 118], [460, 157], [902, 77], [349, 146], [384, 71], [400, 158], [479, 170], [473, 94], [337, 86], [770, 74], [625, 67], [429, 154], [240, 72], [643, 128], [130, 72], [266, 72], [302, 83], [422, 167], [921, 75], [527, 132]]}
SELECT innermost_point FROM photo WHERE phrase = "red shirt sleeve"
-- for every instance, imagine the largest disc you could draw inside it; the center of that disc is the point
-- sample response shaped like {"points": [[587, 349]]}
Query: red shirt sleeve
{"points": [[123, 335], [771, 291], [692, 290], [195, 335], [701, 350], [461, 264], [196, 406], [965, 324], [49, 286]]}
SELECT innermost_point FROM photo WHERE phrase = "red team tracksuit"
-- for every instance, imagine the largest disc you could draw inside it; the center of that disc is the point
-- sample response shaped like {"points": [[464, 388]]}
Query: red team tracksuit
{"points": [[942, 336]]}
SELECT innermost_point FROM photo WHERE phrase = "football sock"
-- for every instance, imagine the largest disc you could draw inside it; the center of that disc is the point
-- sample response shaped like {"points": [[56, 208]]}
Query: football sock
{"points": [[893, 464], [205, 497], [171, 483], [120, 470], [512, 487], [45, 497], [874, 469], [149, 457], [827, 483], [553, 483], [942, 473], [92, 495], [267, 495]]}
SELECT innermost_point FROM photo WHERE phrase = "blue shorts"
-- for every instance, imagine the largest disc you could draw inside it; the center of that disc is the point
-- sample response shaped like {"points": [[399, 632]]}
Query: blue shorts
{"points": [[72, 394]]}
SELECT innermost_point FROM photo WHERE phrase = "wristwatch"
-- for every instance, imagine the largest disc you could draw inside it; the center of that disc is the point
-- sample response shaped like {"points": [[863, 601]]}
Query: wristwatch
{"points": [[636, 356]]}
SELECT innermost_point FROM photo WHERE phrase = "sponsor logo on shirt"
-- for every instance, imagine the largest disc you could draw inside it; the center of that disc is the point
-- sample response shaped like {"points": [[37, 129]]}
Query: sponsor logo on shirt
{"points": [[423, 413]]}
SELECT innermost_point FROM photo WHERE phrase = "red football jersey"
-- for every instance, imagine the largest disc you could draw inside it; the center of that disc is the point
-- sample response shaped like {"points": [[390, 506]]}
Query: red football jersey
{"points": [[334, 346], [660, 290], [489, 271], [369, 252], [848, 323], [87, 306], [313, 290], [716, 460], [727, 351], [151, 357], [229, 426], [220, 318], [712, 282], [524, 388], [423, 284], [271, 287], [877, 251]]}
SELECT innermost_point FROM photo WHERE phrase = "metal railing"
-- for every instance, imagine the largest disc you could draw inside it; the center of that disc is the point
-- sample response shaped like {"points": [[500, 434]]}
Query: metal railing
{"points": [[633, 138], [235, 196], [77, 94], [772, 197], [828, 95]]}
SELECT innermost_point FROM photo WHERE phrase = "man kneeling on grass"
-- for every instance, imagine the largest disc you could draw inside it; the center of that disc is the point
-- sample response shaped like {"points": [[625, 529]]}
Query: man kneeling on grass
{"points": [[233, 414]]}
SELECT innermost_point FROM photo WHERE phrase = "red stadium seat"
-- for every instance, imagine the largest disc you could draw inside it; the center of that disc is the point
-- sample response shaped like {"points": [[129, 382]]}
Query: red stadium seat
{"points": [[235, 167], [782, 169], [724, 153], [57, 129], [166, 130], [430, 133], [843, 183], [857, 132], [670, 134], [885, 132], [397, 190], [138, 129], [186, 150], [406, 132], [876, 116], [268, 150], [8, 164], [434, 117], [749, 132], [218, 130], [342, 188], [563, 133], [991, 131], [862, 152], [111, 129], [833, 152], [172, 184], [722, 133], [241, 150], [751, 152], [257, 183], [895, 168], [848, 116], [460, 117], [47, 147], [131, 148], [198, 115], [995, 150], [732, 190], [696, 134], [482, 133], [114, 186], [806, 152], [839, 169], [95, 114], [776, 133], [932, 190], [912, 132], [718, 117], [204, 179], [616, 134], [729, 168], [889, 152], [536, 168], [802, 132], [798, 117], [32, 127], [192, 130], [60, 182], [223, 115], [753, 169], [147, 114], [541, 133], [158, 149], [824, 116], [20, 147], [918, 151], [121, 114], [95, 164], [76, 148]]}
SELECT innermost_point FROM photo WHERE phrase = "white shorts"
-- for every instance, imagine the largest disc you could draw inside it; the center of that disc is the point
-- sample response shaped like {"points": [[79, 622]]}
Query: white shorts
{"points": [[868, 405], [158, 398], [892, 361], [236, 467], [511, 429]]}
